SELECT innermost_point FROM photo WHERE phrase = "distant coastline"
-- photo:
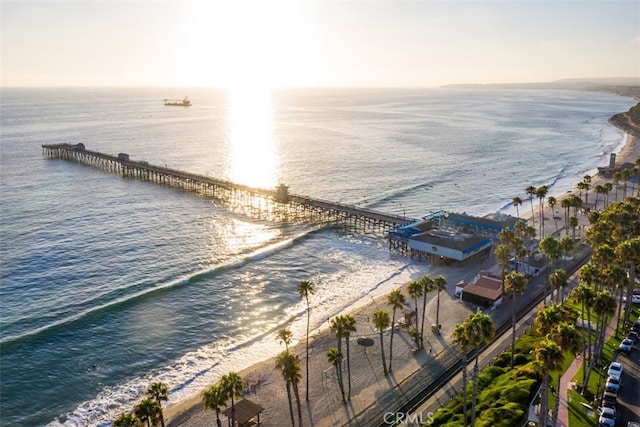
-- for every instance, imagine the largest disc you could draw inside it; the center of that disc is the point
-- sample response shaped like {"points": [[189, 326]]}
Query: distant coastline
{"points": [[623, 86]]}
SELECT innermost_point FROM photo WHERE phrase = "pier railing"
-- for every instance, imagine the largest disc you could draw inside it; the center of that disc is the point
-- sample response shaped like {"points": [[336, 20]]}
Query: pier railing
{"points": [[260, 202]]}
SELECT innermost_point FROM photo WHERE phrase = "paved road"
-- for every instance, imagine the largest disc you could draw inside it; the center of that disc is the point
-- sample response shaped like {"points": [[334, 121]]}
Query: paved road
{"points": [[628, 408]]}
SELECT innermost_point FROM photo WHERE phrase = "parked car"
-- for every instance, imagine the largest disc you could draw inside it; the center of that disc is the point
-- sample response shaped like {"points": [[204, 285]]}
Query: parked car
{"points": [[625, 346], [636, 326], [635, 299], [609, 400], [633, 336], [607, 418], [612, 384], [615, 370]]}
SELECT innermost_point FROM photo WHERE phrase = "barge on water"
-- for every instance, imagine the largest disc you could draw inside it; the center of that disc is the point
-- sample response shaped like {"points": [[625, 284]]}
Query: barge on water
{"points": [[186, 102]]}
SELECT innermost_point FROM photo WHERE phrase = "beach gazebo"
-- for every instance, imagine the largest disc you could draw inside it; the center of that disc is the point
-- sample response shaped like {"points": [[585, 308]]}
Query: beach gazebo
{"points": [[246, 411]]}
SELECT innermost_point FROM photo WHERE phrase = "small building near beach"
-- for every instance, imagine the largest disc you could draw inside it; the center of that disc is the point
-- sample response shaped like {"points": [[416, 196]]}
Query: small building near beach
{"points": [[485, 290], [449, 244]]}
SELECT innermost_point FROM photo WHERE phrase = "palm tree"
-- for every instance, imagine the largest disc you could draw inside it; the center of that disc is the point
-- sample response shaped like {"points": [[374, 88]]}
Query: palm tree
{"points": [[550, 246], [549, 358], [502, 255], [617, 177], [381, 322], [559, 280], [604, 305], [147, 411], [349, 323], [287, 364], [159, 392], [587, 184], [584, 294], [232, 385], [616, 277], [416, 291], [214, 398], [628, 252], [514, 284], [126, 419], [566, 205], [342, 326], [440, 284], [566, 336], [284, 337], [547, 318], [541, 193], [480, 331], [517, 201], [427, 286], [531, 191], [552, 202], [306, 288], [607, 189], [396, 300], [626, 177], [566, 246], [335, 358], [598, 189], [573, 224], [459, 336]]}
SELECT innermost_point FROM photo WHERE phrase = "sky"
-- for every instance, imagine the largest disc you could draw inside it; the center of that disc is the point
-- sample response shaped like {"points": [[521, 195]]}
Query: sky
{"points": [[272, 43]]}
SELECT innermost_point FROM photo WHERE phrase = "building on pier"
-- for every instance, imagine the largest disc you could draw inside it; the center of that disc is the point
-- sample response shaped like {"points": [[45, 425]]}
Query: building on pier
{"points": [[449, 235]]}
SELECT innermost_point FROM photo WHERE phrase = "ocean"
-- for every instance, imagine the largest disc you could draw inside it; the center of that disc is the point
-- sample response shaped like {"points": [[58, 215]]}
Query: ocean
{"points": [[108, 284]]}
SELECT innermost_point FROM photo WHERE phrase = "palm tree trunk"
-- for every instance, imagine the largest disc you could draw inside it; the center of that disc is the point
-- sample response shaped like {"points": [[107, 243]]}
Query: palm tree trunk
{"points": [[589, 349], [417, 334], [475, 389], [544, 392], [424, 312], [384, 362], [513, 327], [348, 370], [293, 422], [592, 352], [557, 406], [307, 379], [584, 349], [393, 327], [438, 312], [340, 381], [464, 389], [297, 395], [218, 422], [619, 310]]}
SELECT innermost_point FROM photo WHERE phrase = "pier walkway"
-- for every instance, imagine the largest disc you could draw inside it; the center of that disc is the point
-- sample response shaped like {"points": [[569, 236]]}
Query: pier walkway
{"points": [[277, 204]]}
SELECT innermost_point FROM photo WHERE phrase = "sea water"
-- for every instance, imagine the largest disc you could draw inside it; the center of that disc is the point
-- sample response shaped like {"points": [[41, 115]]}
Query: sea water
{"points": [[108, 284]]}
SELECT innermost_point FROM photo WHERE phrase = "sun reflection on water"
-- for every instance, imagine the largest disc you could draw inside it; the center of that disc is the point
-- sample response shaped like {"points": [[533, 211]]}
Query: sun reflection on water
{"points": [[253, 159]]}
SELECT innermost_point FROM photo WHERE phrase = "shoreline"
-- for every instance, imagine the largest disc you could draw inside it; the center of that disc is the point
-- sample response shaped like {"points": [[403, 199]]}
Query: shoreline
{"points": [[325, 407]]}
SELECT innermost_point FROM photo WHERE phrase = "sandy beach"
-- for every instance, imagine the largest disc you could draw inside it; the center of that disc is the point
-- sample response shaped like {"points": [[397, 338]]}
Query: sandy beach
{"points": [[369, 384]]}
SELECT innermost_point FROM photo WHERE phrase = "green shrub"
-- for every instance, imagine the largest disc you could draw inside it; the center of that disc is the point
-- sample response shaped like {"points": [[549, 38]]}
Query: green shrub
{"points": [[518, 392], [488, 375]]}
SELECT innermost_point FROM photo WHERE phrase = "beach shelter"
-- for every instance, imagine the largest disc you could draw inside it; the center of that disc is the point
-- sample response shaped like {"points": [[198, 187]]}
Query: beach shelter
{"points": [[246, 411]]}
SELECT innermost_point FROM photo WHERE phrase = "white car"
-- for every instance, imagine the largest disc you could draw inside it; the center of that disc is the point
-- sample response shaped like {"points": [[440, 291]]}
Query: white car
{"points": [[612, 385], [607, 418], [615, 370], [625, 346], [635, 299]]}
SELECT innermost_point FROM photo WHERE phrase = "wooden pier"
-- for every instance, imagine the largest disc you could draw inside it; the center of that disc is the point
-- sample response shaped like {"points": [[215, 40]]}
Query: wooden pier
{"points": [[277, 204]]}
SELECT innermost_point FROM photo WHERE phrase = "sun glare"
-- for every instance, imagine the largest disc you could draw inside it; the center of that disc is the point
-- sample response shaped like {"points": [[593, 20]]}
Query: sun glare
{"points": [[252, 159], [258, 44]]}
